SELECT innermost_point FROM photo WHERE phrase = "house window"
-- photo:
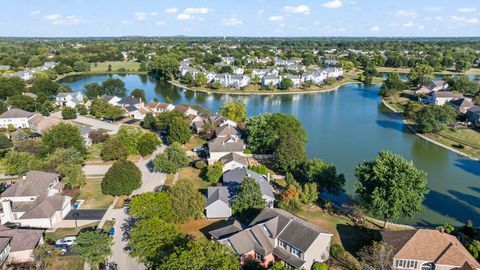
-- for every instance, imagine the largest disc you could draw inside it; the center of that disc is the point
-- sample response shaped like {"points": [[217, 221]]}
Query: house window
{"points": [[259, 256], [296, 252], [428, 266], [406, 264]]}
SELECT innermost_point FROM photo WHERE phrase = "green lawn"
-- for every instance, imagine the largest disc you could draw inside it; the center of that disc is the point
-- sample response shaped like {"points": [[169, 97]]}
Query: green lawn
{"points": [[192, 175], [62, 232], [91, 192], [103, 66], [469, 138], [199, 228], [65, 262], [194, 142], [108, 225]]}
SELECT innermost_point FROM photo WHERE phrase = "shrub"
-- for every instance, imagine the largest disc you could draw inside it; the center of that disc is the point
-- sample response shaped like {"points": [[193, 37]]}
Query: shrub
{"points": [[171, 160], [200, 165], [122, 178], [98, 136], [213, 173], [113, 149], [337, 251], [319, 266], [147, 143]]}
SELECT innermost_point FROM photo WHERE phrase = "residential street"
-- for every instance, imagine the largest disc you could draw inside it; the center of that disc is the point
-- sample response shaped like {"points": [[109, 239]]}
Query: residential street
{"points": [[94, 123]]}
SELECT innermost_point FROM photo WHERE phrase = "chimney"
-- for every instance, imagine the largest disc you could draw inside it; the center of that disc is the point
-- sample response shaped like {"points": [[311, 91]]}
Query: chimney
{"points": [[7, 211]]}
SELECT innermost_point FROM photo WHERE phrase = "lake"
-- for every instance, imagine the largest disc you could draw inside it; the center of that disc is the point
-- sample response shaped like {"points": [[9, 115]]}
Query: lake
{"points": [[346, 127], [404, 76]]}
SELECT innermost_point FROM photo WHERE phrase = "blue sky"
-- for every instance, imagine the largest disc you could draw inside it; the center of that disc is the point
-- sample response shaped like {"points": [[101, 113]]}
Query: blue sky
{"points": [[70, 18]]}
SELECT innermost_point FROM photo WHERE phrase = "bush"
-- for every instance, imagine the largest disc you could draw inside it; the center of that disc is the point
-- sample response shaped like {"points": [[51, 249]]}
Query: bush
{"points": [[200, 165], [98, 136], [113, 149], [122, 178], [171, 160], [319, 266], [69, 113], [337, 251], [147, 143], [213, 173]]}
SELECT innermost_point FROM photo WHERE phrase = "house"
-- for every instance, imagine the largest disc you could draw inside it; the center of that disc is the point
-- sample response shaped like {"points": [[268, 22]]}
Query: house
{"points": [[295, 79], [473, 115], [39, 123], [227, 130], [442, 97], [461, 105], [17, 244], [25, 75], [186, 110], [228, 60], [238, 70], [330, 63], [427, 249], [234, 178], [212, 120], [232, 161], [333, 72], [270, 80], [221, 146], [260, 72], [85, 133], [34, 201], [232, 80], [69, 99], [276, 235], [15, 117], [218, 203], [316, 77], [112, 100], [433, 86], [296, 68], [132, 107], [160, 107]]}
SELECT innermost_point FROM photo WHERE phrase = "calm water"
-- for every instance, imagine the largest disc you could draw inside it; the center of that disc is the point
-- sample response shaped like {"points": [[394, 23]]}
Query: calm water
{"points": [[346, 127]]}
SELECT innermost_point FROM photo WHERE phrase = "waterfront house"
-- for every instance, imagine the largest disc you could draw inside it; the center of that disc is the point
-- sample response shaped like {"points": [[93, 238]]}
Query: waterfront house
{"points": [[461, 105], [316, 77], [39, 123], [234, 81], [35, 201], [333, 72], [186, 110], [473, 115], [276, 235], [268, 80], [238, 70], [296, 79], [17, 244], [160, 107], [220, 146], [296, 68], [234, 178], [112, 100], [231, 161], [442, 97], [433, 86], [260, 72], [218, 203], [15, 117], [69, 99], [426, 249], [25, 75]]}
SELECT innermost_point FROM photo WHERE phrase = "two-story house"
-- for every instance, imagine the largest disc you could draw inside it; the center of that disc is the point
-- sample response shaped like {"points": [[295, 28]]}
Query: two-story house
{"points": [[227, 141], [35, 201], [69, 99], [16, 117], [276, 235]]}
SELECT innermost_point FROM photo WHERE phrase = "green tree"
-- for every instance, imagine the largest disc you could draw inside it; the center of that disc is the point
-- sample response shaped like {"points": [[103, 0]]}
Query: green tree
{"points": [[114, 87], [73, 174], [289, 153], [172, 159], [213, 173], [149, 122], [392, 84], [319, 266], [63, 156], [147, 143], [22, 102], [11, 86], [199, 255], [290, 199], [44, 86], [309, 193], [139, 93], [129, 137], [5, 143], [200, 80], [93, 90], [433, 118], [113, 149], [420, 75], [152, 240], [187, 202], [249, 197], [464, 85], [391, 186], [63, 135], [178, 131], [285, 84], [164, 66], [235, 111], [95, 246], [69, 113], [18, 163], [377, 256], [323, 174], [188, 79], [122, 178], [151, 205], [81, 66]]}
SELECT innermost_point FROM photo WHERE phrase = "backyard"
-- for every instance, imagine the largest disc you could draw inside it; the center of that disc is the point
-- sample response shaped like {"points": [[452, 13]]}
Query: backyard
{"points": [[91, 192]]}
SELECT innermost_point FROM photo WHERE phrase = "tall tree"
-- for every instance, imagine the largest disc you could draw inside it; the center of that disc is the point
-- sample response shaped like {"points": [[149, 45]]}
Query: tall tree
{"points": [[151, 205], [113, 149], [114, 87], [63, 135], [93, 90], [235, 111], [391, 186], [147, 143], [139, 93], [249, 198], [378, 256], [94, 246], [164, 66], [187, 202], [323, 174], [172, 159], [122, 178], [420, 75]]}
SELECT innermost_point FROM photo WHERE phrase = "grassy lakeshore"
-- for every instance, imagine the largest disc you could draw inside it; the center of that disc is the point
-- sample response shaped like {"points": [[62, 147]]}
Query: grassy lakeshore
{"points": [[448, 138], [475, 71]]}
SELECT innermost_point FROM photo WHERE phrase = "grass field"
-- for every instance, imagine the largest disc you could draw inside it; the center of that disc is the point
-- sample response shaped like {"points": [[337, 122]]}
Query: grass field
{"points": [[467, 137], [194, 142], [116, 65], [192, 175], [62, 232], [199, 228], [92, 194], [65, 262]]}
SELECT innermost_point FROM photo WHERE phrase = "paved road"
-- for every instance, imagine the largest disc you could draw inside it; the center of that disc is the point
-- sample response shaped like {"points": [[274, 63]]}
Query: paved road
{"points": [[151, 181], [95, 169], [94, 123]]}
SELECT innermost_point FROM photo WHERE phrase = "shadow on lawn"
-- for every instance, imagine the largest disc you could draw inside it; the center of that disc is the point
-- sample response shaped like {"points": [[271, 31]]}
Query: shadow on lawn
{"points": [[353, 238], [213, 226]]}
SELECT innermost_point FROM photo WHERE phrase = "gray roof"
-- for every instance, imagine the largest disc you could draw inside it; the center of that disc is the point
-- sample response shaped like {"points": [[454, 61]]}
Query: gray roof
{"points": [[217, 194], [226, 144], [16, 113], [233, 157], [234, 179], [106, 97], [462, 103], [448, 94], [36, 183], [129, 100], [22, 239], [226, 130], [85, 130], [288, 257], [232, 226], [4, 241], [474, 109], [66, 94], [45, 208], [271, 77]]}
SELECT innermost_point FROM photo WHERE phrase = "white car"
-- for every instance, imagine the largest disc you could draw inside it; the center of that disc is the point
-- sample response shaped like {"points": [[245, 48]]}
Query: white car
{"points": [[66, 241]]}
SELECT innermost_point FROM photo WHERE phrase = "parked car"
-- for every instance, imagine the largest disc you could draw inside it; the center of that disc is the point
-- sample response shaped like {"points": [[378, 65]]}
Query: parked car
{"points": [[66, 241]]}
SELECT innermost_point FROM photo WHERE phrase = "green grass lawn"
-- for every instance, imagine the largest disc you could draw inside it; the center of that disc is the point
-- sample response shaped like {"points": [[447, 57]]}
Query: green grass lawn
{"points": [[93, 152], [91, 192], [194, 142], [103, 66], [65, 262], [108, 225], [199, 228], [62, 232], [192, 175], [467, 137]]}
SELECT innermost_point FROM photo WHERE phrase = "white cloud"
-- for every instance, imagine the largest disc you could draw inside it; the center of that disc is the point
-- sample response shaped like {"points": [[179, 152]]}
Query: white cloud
{"points": [[196, 11], [467, 10], [171, 10], [333, 4], [439, 18], [261, 11], [275, 18], [304, 9], [376, 28], [408, 24], [232, 21], [160, 23], [473, 21], [433, 9], [34, 13], [421, 27], [140, 15], [406, 13], [183, 17], [58, 19], [153, 13], [460, 19]]}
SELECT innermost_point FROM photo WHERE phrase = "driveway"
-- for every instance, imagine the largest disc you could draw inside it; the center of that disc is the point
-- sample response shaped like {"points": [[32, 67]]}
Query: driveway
{"points": [[94, 123], [90, 170], [85, 214]]}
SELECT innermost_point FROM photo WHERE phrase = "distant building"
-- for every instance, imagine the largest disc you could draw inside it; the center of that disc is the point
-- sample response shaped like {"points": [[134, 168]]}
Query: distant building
{"points": [[433, 86], [15, 117], [442, 97]]}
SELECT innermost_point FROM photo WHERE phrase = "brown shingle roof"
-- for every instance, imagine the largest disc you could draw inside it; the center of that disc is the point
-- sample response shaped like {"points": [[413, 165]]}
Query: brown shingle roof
{"points": [[16, 113], [46, 208], [429, 245], [226, 144], [22, 239], [36, 183]]}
